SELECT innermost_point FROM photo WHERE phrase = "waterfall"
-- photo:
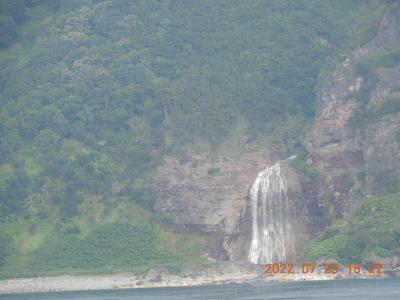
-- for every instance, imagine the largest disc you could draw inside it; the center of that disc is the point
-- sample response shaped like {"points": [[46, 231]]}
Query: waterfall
{"points": [[269, 208]]}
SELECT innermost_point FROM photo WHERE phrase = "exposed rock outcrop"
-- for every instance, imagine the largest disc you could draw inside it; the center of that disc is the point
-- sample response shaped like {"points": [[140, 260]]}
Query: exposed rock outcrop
{"points": [[345, 155], [211, 193]]}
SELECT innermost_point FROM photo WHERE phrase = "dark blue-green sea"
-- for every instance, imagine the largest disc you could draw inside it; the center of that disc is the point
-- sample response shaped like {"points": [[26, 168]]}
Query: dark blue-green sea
{"points": [[341, 289]]}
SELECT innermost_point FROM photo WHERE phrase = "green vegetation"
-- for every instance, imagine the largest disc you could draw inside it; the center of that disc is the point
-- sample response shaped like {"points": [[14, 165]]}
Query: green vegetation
{"points": [[371, 231], [129, 239], [95, 93], [388, 183], [214, 171], [4, 247], [300, 164], [373, 114], [367, 69], [348, 180], [91, 104], [389, 59], [367, 72], [361, 179]]}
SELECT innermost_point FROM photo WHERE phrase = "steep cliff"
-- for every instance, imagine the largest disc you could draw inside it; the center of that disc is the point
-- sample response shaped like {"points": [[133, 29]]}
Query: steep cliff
{"points": [[212, 195], [162, 115], [354, 142], [353, 147]]}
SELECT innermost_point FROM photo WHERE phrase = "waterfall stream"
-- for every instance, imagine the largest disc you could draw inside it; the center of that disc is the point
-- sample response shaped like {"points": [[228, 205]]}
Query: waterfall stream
{"points": [[269, 211]]}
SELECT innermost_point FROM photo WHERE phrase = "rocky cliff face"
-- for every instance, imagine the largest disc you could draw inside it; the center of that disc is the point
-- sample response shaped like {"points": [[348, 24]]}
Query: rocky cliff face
{"points": [[211, 193], [345, 155]]}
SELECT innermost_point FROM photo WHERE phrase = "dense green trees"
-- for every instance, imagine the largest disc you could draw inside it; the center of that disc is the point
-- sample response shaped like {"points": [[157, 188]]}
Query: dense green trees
{"points": [[12, 13], [4, 247], [108, 246], [370, 232], [95, 92]]}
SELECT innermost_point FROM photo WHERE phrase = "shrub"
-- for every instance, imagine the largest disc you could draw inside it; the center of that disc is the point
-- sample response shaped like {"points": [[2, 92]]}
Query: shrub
{"points": [[5, 241], [371, 115], [214, 171], [73, 229], [299, 163], [370, 230]]}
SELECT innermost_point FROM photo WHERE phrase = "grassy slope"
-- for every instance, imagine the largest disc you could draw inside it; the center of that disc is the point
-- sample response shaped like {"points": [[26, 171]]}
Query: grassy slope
{"points": [[368, 69], [372, 231], [126, 238], [119, 237]]}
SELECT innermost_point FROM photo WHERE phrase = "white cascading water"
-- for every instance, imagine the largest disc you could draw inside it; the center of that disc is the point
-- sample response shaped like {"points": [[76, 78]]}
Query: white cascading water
{"points": [[270, 222]]}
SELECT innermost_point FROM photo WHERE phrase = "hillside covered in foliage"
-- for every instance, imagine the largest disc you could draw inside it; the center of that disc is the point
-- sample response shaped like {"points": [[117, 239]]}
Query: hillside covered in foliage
{"points": [[95, 93]]}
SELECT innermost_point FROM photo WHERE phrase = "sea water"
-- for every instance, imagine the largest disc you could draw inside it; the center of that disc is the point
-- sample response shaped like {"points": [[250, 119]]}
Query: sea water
{"points": [[381, 289]]}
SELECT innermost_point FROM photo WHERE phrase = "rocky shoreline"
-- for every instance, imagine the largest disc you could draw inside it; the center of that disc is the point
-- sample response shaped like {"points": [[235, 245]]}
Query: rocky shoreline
{"points": [[107, 282], [159, 277]]}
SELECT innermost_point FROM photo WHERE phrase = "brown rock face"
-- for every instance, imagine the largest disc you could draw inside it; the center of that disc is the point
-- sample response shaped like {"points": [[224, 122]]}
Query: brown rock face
{"points": [[339, 152], [210, 193], [382, 152]]}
